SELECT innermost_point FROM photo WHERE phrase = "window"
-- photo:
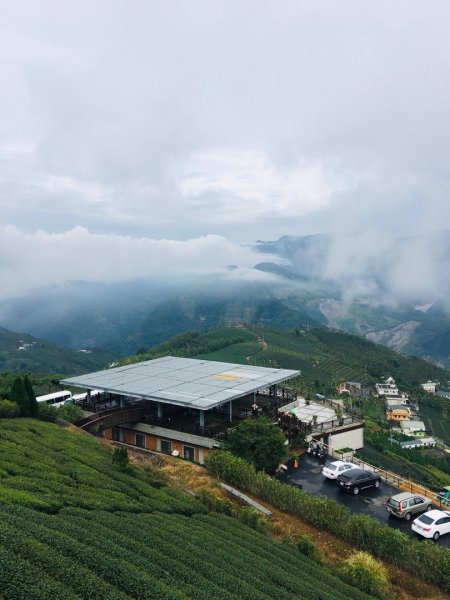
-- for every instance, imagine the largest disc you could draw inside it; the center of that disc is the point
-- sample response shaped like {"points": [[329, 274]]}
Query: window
{"points": [[140, 440], [116, 435], [188, 453], [166, 447]]}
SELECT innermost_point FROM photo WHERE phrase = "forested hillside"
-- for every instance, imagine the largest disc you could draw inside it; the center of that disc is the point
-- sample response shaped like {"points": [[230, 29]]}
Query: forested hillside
{"points": [[21, 352]]}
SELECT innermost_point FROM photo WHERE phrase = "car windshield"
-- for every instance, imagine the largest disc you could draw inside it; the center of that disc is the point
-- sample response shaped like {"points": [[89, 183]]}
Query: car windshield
{"points": [[394, 503], [344, 476], [332, 467], [426, 519]]}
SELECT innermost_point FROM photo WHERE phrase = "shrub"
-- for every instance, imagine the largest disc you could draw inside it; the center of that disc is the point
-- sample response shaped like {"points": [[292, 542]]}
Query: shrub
{"points": [[120, 458], [9, 409], [299, 441], [47, 413], [70, 412], [366, 573], [306, 546]]}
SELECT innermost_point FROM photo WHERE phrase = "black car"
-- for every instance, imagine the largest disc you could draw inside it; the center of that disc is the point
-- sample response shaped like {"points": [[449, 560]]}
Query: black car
{"points": [[355, 480]]}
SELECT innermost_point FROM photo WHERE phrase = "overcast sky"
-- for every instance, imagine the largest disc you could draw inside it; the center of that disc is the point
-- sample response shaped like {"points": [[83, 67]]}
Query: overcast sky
{"points": [[175, 131]]}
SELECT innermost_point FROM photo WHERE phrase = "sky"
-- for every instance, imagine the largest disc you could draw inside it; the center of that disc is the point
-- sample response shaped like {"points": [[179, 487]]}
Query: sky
{"points": [[155, 136]]}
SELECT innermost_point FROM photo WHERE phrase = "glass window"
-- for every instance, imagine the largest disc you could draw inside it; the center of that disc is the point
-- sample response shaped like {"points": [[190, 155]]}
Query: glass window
{"points": [[188, 453], [166, 447], [426, 519], [140, 440]]}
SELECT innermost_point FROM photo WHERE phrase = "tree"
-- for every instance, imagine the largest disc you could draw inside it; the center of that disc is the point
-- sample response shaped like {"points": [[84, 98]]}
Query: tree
{"points": [[260, 442], [19, 395], [34, 408], [120, 458]]}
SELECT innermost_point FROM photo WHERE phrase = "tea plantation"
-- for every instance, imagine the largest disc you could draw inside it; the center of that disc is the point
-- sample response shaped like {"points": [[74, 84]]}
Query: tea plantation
{"points": [[73, 525]]}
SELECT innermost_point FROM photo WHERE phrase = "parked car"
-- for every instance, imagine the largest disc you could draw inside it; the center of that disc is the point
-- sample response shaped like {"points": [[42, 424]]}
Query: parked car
{"points": [[335, 468], [405, 505], [355, 480], [432, 524]]}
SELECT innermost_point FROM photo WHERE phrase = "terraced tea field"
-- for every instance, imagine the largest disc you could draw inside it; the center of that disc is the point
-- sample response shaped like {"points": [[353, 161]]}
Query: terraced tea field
{"points": [[75, 526]]}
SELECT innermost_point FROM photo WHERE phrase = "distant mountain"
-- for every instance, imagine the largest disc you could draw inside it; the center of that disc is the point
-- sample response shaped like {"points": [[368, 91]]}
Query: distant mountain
{"points": [[393, 291], [22, 352]]}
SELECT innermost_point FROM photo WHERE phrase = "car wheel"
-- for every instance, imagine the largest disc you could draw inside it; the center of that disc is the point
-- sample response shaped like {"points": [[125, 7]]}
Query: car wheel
{"points": [[429, 507], [356, 490], [408, 517], [436, 535], [377, 483]]}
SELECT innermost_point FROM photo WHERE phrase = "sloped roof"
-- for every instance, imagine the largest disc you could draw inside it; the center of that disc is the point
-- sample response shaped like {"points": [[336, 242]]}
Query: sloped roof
{"points": [[202, 384]]}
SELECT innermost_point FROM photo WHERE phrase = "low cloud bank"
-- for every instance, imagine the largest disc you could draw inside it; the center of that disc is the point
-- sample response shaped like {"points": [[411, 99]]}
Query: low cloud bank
{"points": [[33, 260]]}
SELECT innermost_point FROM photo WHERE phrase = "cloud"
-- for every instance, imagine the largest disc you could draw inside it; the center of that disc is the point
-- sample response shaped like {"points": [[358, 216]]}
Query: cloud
{"points": [[245, 186], [145, 121], [78, 254]]}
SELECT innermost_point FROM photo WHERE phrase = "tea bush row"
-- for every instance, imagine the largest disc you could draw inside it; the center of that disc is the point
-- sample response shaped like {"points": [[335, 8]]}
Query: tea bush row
{"points": [[119, 573], [45, 467], [119, 553]]}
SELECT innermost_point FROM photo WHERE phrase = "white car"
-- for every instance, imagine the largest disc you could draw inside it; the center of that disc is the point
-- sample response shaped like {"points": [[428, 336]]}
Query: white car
{"points": [[432, 524], [332, 470]]}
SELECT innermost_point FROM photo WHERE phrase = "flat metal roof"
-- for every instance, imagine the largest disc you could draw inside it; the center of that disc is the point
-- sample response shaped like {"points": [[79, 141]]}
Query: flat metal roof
{"points": [[201, 384]]}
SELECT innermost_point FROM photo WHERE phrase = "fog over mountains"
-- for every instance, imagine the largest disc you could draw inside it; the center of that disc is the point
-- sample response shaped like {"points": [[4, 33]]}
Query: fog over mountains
{"points": [[393, 290]]}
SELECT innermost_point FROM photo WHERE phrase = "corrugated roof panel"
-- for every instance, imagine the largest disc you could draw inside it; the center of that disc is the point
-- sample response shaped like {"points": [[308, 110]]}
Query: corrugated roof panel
{"points": [[190, 382]]}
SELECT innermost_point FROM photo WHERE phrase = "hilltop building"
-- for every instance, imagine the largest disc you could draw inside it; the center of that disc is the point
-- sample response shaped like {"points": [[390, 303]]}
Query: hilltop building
{"points": [[349, 387], [181, 406], [413, 427], [388, 388], [323, 421], [398, 413], [429, 387]]}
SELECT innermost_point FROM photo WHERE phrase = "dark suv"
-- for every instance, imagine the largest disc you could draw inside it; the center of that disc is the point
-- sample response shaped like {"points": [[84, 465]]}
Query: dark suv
{"points": [[355, 480]]}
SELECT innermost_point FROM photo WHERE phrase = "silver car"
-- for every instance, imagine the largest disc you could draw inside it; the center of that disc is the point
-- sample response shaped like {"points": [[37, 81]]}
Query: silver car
{"points": [[405, 505]]}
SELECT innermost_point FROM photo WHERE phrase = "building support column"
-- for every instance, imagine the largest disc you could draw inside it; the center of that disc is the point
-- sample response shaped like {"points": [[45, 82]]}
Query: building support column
{"points": [[88, 396], [230, 411], [159, 410], [202, 418]]}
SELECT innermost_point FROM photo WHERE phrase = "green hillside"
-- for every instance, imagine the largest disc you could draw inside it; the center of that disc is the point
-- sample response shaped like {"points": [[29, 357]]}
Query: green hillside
{"points": [[322, 355], [75, 526], [22, 352]]}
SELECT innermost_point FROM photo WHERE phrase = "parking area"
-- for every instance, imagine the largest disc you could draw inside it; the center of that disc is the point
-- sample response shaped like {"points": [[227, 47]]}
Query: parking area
{"points": [[370, 501]]}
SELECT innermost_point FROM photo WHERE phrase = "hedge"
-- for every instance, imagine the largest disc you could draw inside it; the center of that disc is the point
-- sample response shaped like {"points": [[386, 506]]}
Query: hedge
{"points": [[422, 558]]}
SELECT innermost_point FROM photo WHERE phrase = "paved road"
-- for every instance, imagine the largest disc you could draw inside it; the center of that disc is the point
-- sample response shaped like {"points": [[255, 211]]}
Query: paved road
{"points": [[369, 502]]}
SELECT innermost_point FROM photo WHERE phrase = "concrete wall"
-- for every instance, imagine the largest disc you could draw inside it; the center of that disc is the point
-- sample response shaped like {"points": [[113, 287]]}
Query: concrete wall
{"points": [[346, 439]]}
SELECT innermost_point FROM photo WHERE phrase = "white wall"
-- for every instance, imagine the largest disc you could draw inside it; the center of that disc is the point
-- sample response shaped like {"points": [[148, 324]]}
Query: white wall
{"points": [[347, 439]]}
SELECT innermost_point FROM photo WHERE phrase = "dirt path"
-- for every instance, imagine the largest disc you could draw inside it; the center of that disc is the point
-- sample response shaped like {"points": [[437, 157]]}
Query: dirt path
{"points": [[263, 349]]}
